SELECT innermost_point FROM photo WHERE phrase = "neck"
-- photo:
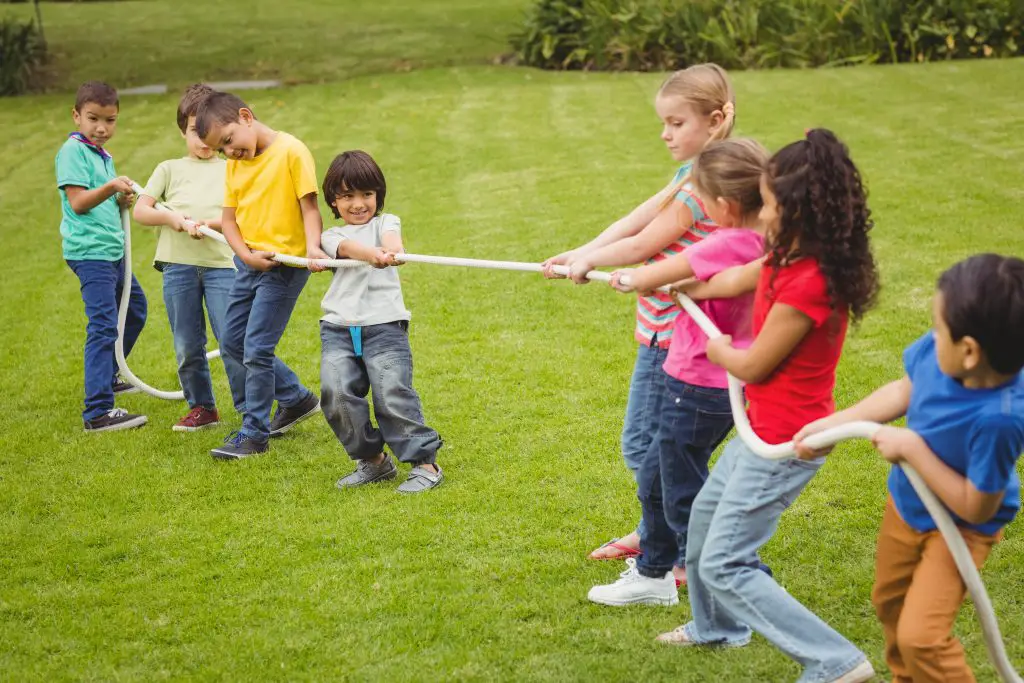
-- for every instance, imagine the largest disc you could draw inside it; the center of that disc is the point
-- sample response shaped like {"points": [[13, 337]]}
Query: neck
{"points": [[985, 378], [264, 137]]}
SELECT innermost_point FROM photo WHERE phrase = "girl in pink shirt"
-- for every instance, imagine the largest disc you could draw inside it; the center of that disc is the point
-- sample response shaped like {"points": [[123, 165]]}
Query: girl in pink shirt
{"points": [[696, 415]]}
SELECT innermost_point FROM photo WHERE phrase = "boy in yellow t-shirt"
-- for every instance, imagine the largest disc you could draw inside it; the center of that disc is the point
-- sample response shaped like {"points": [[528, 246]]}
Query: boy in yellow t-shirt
{"points": [[194, 269], [269, 208]]}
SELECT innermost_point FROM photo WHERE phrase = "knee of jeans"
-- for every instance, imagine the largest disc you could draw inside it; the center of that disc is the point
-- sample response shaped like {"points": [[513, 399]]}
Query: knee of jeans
{"points": [[715, 569], [189, 352], [258, 358]]}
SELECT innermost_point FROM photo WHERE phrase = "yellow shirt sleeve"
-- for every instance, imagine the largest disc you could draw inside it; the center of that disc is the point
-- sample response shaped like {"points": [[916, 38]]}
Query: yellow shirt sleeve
{"points": [[303, 170], [230, 196]]}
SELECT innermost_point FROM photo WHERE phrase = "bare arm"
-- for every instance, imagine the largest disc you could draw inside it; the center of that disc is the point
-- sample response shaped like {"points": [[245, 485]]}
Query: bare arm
{"points": [[627, 226], [649, 278], [258, 260], [146, 213], [375, 256], [391, 241], [784, 329], [83, 201], [314, 227], [885, 404], [667, 227], [729, 283]]}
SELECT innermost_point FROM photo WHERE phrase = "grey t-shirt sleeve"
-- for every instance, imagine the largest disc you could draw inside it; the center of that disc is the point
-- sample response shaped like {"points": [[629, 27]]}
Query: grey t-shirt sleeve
{"points": [[330, 240], [388, 222]]}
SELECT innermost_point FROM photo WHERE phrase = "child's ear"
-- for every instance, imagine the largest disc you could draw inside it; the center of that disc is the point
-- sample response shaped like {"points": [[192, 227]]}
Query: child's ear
{"points": [[971, 353], [245, 116]]}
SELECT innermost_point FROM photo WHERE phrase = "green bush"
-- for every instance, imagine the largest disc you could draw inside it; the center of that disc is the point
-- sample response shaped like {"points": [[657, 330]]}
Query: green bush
{"points": [[743, 34], [22, 52]]}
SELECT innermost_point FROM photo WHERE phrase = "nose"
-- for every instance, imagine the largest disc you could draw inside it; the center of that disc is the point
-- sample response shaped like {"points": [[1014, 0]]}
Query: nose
{"points": [[665, 134]]}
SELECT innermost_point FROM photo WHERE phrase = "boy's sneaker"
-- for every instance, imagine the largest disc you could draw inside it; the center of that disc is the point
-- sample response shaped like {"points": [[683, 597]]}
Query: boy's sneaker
{"points": [[368, 472], [197, 418], [421, 479], [633, 588], [121, 387], [118, 418], [858, 674], [286, 418], [237, 446]]}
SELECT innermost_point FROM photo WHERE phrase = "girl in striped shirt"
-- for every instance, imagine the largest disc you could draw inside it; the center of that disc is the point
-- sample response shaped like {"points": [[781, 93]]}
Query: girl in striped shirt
{"points": [[696, 105]]}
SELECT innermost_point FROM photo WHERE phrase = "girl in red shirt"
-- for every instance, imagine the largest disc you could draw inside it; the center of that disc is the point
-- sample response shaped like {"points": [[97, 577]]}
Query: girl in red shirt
{"points": [[819, 272]]}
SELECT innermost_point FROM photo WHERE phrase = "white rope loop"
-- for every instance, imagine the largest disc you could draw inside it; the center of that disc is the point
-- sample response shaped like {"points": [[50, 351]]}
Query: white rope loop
{"points": [[830, 437]]}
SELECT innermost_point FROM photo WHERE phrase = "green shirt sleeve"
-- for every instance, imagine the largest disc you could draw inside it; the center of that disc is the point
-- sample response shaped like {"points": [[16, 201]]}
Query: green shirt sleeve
{"points": [[72, 167]]}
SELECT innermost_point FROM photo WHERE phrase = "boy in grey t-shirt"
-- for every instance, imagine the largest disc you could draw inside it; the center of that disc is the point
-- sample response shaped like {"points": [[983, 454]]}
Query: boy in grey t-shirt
{"points": [[364, 334]]}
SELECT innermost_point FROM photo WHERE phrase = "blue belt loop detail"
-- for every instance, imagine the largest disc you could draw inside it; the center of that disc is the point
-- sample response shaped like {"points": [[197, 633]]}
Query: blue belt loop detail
{"points": [[357, 340]]}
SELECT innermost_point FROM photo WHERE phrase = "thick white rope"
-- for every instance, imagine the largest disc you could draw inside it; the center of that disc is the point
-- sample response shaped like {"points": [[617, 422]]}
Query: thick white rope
{"points": [[830, 437]]}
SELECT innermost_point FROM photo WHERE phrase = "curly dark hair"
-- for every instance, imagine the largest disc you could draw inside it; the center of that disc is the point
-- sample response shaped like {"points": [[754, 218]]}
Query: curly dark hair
{"points": [[824, 215]]}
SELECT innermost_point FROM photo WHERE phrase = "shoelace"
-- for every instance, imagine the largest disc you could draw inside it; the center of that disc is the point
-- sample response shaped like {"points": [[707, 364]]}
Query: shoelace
{"points": [[234, 438], [117, 412]]}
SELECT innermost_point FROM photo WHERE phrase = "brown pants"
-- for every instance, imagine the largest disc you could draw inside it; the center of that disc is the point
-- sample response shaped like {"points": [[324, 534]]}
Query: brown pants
{"points": [[918, 592]]}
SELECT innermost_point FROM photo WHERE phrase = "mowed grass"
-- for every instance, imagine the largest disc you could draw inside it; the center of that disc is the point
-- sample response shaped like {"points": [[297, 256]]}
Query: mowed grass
{"points": [[141, 42], [136, 556]]}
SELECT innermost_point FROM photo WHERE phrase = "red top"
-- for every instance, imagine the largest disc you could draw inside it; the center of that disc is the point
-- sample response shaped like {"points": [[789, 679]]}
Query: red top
{"points": [[800, 389]]}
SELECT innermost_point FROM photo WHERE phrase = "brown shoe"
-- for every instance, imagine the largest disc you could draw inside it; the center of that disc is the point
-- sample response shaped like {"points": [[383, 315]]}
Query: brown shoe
{"points": [[197, 418]]}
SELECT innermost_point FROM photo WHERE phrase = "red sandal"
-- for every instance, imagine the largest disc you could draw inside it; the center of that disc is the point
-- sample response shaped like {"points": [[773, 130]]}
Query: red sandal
{"points": [[623, 551]]}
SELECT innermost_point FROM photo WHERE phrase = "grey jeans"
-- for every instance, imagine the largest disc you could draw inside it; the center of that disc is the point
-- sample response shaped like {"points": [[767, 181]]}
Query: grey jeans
{"points": [[382, 367]]}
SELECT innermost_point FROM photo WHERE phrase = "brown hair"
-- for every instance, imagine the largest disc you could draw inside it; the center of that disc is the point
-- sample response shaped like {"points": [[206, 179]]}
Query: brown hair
{"points": [[731, 169], [217, 109], [354, 170], [194, 94], [96, 92], [706, 87]]}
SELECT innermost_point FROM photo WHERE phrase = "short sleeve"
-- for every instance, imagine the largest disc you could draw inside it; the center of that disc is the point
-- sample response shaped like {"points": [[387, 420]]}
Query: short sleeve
{"points": [[995, 444], [389, 222], [73, 167], [805, 290], [230, 196], [691, 202], [330, 240], [156, 187], [303, 170], [916, 352]]}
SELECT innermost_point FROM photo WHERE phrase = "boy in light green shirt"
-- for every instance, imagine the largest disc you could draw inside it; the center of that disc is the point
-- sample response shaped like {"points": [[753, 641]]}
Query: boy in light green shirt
{"points": [[194, 269]]}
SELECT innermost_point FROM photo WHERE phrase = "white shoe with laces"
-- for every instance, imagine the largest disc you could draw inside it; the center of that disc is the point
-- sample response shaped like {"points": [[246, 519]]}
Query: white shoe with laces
{"points": [[633, 588]]}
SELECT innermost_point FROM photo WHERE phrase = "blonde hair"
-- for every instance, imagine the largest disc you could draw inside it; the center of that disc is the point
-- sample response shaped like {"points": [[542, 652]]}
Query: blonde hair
{"points": [[732, 170], [707, 89]]}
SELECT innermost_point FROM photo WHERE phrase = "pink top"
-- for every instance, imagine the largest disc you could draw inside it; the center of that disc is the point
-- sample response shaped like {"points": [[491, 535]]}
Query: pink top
{"points": [[687, 358]]}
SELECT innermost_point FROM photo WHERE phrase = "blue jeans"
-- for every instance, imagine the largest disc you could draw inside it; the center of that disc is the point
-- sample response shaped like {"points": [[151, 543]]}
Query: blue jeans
{"points": [[693, 421], [185, 289], [383, 366], [735, 514], [101, 283], [259, 306], [646, 392]]}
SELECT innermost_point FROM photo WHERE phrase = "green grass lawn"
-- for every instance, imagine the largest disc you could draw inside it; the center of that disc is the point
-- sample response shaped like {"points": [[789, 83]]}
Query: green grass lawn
{"points": [[136, 556], [139, 42]]}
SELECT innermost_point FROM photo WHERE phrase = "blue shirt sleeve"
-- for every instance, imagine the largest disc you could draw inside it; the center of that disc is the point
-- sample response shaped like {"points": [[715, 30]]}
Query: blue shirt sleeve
{"points": [[918, 351], [995, 444], [72, 166]]}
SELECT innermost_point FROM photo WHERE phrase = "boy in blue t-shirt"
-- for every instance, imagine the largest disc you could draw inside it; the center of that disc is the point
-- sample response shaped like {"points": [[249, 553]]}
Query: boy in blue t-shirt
{"points": [[91, 198], [963, 395]]}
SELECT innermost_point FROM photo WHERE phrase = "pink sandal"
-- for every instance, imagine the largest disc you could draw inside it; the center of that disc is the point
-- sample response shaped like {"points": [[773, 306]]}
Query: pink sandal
{"points": [[623, 551]]}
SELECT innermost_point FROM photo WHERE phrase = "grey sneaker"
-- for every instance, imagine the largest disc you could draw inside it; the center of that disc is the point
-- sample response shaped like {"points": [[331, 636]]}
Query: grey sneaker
{"points": [[286, 418], [369, 473], [421, 479]]}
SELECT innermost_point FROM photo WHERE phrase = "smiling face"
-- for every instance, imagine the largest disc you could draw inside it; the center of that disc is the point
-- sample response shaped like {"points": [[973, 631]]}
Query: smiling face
{"points": [[236, 139], [356, 207], [96, 122], [685, 130], [197, 149]]}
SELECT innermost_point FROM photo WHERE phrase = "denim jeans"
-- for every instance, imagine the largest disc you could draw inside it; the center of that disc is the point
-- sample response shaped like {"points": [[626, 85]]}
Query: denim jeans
{"points": [[383, 368], [101, 283], [693, 421], [735, 514], [185, 289], [646, 392], [259, 306]]}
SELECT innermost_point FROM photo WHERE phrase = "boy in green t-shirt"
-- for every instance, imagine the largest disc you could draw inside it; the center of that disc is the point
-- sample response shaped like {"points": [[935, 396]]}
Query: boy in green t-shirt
{"points": [[91, 197], [194, 269]]}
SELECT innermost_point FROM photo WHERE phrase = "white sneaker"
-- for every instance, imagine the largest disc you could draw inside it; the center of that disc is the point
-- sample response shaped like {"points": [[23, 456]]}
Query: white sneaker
{"points": [[633, 588], [860, 673]]}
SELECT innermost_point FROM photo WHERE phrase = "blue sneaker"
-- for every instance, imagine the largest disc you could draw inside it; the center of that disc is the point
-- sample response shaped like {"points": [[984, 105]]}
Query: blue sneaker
{"points": [[237, 446]]}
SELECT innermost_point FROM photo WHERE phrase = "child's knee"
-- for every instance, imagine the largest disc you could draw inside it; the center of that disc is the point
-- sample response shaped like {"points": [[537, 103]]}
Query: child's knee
{"points": [[921, 639]]}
